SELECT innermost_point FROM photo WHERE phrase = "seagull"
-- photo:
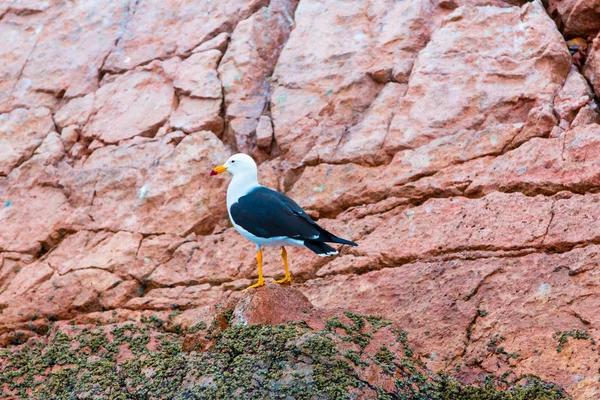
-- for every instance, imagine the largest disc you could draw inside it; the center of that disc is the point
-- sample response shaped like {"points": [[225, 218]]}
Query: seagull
{"points": [[269, 218]]}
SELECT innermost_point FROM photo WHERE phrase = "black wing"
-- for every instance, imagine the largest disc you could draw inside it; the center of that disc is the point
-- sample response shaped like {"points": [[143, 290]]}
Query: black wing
{"points": [[267, 213]]}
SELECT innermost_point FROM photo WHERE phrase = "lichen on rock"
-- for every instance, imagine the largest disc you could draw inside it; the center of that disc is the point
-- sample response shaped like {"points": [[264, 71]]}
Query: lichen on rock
{"points": [[353, 356]]}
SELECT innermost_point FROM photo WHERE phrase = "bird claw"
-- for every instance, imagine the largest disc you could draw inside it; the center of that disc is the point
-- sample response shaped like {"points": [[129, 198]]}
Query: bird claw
{"points": [[287, 279], [261, 282]]}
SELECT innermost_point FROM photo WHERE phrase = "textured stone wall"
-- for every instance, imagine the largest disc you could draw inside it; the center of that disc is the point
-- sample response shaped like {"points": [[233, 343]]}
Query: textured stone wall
{"points": [[455, 141]]}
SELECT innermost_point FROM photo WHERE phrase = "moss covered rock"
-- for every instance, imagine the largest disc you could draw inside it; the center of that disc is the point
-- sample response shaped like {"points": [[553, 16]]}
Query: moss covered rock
{"points": [[354, 356]]}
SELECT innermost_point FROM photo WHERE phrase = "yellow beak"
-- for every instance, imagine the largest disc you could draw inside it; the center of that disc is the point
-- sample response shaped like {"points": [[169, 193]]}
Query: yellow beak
{"points": [[218, 170]]}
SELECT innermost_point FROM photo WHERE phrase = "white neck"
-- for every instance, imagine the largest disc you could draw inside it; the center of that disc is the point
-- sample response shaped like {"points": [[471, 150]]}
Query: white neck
{"points": [[240, 185]]}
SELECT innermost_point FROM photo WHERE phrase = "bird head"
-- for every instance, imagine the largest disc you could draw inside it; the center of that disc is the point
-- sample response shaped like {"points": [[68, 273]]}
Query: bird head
{"points": [[237, 164]]}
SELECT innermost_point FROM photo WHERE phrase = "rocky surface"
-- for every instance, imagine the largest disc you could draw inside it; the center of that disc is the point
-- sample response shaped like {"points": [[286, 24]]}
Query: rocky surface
{"points": [[457, 142], [349, 356]]}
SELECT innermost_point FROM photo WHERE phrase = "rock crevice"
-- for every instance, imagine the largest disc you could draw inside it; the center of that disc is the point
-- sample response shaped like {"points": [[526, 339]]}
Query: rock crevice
{"points": [[456, 142]]}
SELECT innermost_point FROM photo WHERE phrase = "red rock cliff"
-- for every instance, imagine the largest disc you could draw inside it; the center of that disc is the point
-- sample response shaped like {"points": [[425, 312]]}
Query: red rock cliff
{"points": [[455, 141]]}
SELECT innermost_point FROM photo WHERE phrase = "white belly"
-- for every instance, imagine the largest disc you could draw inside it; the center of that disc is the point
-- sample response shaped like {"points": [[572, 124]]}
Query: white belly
{"points": [[260, 241]]}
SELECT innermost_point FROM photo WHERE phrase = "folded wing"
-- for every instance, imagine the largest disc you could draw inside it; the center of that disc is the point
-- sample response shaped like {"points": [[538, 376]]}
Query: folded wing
{"points": [[267, 213]]}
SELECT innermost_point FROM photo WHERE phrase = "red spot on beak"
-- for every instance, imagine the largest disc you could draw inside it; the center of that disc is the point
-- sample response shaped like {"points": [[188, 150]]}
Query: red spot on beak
{"points": [[213, 172]]}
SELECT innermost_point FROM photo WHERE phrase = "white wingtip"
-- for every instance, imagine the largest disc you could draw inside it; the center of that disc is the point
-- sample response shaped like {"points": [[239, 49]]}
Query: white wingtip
{"points": [[328, 254]]}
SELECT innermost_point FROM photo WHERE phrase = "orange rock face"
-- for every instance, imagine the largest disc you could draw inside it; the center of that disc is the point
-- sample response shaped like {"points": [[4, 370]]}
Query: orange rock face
{"points": [[454, 141]]}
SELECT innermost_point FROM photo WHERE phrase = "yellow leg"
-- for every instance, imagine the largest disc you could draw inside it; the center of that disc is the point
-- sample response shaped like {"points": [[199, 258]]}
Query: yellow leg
{"points": [[287, 278], [261, 280]]}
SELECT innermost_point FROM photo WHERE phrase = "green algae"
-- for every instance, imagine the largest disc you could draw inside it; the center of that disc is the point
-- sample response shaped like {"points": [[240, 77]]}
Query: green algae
{"points": [[354, 356], [385, 359], [200, 326], [286, 361], [494, 347], [282, 361], [402, 337], [443, 387], [562, 337]]}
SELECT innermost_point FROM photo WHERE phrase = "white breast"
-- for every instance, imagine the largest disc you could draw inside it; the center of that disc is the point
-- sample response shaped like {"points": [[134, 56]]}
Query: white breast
{"points": [[239, 187]]}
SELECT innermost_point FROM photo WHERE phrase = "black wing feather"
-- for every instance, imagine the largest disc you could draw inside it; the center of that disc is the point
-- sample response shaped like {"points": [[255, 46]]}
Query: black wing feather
{"points": [[267, 213]]}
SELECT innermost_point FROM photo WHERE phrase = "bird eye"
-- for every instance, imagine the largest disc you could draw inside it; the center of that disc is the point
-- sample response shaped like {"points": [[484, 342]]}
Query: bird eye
{"points": [[233, 161]]}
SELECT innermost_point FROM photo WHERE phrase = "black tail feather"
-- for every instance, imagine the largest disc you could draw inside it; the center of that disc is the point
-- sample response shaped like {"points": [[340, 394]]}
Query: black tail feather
{"points": [[335, 239], [321, 248], [331, 238]]}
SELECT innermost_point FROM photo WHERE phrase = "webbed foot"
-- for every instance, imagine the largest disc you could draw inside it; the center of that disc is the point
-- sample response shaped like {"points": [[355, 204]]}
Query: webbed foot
{"points": [[261, 282], [287, 279]]}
